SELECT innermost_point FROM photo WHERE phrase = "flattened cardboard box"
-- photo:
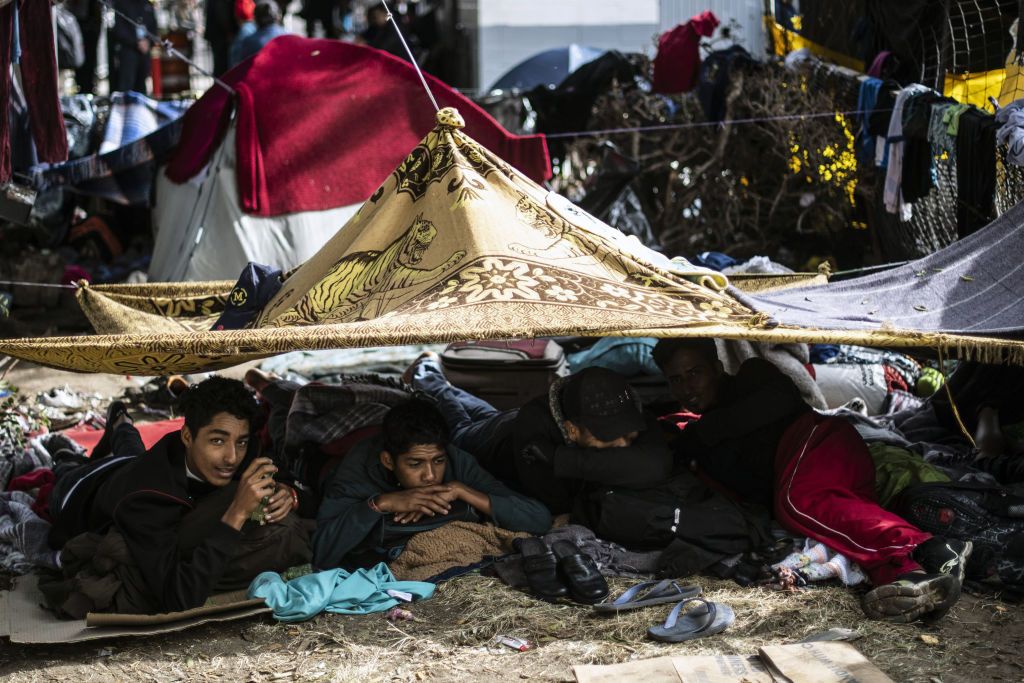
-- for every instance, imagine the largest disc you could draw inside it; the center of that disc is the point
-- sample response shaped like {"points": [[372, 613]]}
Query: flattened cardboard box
{"points": [[821, 663], [694, 669], [23, 619]]}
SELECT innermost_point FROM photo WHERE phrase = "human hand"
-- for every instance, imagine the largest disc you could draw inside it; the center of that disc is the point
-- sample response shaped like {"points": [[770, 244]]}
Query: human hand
{"points": [[256, 484], [279, 504], [449, 492], [425, 501], [143, 46]]}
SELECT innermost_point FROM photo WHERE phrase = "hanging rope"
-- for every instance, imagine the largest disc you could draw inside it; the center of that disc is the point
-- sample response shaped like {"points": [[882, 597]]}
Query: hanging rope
{"points": [[412, 59], [166, 46], [709, 124], [18, 283], [952, 402]]}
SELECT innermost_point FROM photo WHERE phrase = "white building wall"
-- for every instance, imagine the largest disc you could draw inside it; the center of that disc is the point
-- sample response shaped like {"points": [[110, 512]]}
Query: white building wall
{"points": [[747, 13], [509, 31]]}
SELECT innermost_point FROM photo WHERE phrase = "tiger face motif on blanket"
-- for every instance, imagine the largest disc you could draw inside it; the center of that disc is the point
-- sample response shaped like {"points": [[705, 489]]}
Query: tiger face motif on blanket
{"points": [[567, 241], [345, 292]]}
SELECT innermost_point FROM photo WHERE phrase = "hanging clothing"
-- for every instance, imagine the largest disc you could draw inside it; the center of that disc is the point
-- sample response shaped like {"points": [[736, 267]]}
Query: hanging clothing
{"points": [[878, 120], [894, 202], [938, 135], [825, 489], [39, 78], [918, 176], [677, 63], [952, 117], [1011, 131], [878, 63], [715, 75], [866, 100], [975, 171], [363, 591]]}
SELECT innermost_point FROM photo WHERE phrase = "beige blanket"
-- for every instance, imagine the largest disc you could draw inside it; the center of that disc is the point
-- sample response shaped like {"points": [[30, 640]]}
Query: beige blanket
{"points": [[453, 545]]}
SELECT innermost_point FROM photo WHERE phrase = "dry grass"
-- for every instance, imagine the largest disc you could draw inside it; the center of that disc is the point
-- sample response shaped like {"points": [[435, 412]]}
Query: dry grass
{"points": [[452, 639]]}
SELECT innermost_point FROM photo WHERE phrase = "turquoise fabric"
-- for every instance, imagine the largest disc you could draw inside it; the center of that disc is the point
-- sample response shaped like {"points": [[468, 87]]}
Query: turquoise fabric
{"points": [[363, 591]]}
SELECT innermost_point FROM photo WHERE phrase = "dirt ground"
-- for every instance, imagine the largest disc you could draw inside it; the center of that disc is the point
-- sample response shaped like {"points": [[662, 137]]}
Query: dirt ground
{"points": [[451, 640], [452, 636]]}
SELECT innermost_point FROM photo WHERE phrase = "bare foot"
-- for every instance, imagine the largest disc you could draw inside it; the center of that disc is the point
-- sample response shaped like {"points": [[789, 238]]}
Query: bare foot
{"points": [[426, 355]]}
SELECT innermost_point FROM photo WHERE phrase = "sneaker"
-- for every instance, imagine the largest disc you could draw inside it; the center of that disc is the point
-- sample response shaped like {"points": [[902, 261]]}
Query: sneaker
{"points": [[944, 556], [912, 597]]}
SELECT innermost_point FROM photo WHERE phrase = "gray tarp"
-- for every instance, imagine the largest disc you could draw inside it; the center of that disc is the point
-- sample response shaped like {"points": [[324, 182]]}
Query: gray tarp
{"points": [[974, 286]]}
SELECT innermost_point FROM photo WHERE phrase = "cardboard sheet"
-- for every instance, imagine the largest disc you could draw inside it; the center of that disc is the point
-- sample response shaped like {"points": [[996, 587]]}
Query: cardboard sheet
{"points": [[834, 662], [694, 669], [25, 621]]}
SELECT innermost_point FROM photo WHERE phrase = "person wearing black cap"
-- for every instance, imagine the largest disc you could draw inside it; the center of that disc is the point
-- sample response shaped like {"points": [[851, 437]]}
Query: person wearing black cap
{"points": [[587, 431]]}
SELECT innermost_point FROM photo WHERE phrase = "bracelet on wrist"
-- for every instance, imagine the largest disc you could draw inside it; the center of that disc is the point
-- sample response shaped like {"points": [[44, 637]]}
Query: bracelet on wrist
{"points": [[372, 502]]}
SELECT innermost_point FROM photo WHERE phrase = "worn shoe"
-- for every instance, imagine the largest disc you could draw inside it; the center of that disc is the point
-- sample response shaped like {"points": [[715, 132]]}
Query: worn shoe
{"points": [[580, 573], [541, 569], [944, 556], [913, 596], [116, 413]]}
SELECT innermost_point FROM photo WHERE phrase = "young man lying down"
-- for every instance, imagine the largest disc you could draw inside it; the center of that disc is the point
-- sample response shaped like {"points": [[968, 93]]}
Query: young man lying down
{"points": [[410, 479], [159, 531]]}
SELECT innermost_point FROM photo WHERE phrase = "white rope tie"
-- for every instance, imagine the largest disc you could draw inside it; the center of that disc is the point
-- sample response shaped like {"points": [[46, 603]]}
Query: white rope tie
{"points": [[412, 59]]}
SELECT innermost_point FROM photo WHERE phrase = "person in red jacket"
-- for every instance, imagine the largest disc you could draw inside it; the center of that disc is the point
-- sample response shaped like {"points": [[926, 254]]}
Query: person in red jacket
{"points": [[757, 438]]}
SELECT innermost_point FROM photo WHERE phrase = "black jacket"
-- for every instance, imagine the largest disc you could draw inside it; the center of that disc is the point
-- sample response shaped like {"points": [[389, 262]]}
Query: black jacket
{"points": [[735, 441], [146, 501], [560, 474]]}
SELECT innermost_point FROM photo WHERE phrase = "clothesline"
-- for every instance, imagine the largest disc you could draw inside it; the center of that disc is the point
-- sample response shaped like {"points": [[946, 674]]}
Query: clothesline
{"points": [[19, 283], [708, 124]]}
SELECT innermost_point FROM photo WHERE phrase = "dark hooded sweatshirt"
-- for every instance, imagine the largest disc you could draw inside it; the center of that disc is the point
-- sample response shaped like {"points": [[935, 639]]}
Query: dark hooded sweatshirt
{"points": [[735, 441], [559, 473], [346, 522], [146, 500]]}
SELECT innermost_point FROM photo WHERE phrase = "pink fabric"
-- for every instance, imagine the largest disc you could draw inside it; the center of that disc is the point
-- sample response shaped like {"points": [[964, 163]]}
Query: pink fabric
{"points": [[677, 64], [151, 432], [32, 480], [322, 123], [41, 479], [825, 490], [878, 64]]}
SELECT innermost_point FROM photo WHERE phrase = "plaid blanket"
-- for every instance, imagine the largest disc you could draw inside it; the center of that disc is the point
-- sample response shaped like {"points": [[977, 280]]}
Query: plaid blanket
{"points": [[321, 413], [134, 116]]}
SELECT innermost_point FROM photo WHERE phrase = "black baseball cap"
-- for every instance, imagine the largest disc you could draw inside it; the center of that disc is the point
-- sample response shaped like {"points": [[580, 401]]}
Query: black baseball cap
{"points": [[602, 401]]}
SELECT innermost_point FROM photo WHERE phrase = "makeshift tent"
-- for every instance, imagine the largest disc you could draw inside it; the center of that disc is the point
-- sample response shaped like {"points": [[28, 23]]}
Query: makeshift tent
{"points": [[270, 175], [548, 68], [456, 244], [973, 286]]}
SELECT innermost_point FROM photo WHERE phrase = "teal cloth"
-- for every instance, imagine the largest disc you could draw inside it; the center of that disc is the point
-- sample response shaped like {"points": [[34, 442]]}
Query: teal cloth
{"points": [[363, 591]]}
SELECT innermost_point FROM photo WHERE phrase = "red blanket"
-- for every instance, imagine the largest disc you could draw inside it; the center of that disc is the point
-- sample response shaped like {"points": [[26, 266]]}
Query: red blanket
{"points": [[322, 123], [151, 432]]}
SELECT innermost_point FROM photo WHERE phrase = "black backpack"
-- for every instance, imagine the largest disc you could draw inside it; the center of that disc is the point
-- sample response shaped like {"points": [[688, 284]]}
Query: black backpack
{"points": [[989, 516]]}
